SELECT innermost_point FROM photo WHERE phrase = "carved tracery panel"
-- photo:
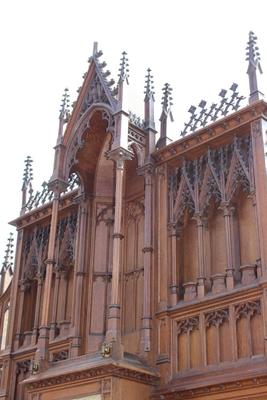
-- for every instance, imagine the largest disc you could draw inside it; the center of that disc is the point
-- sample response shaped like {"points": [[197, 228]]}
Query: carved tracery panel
{"points": [[203, 195]]}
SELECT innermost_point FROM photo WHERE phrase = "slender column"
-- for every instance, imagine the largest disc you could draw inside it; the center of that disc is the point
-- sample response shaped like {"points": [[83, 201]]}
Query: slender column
{"points": [[37, 308], [148, 250], [42, 353], [229, 253], [22, 290], [114, 319], [14, 303], [259, 147], [258, 259], [53, 325], [201, 259], [174, 278], [161, 211], [79, 276]]}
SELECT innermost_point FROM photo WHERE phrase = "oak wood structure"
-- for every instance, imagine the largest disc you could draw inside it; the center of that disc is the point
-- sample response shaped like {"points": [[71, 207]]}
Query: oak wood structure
{"points": [[141, 267]]}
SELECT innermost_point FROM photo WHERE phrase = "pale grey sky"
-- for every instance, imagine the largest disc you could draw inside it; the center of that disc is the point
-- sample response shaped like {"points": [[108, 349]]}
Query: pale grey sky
{"points": [[196, 46]]}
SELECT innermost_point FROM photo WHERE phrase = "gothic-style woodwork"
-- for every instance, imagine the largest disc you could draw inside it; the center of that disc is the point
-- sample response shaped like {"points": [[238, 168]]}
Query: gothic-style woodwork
{"points": [[141, 266]]}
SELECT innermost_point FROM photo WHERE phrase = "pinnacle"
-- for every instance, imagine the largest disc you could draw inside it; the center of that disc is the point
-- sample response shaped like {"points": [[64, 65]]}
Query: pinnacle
{"points": [[252, 51], [166, 98], [8, 258], [124, 70], [149, 86], [65, 105], [28, 172]]}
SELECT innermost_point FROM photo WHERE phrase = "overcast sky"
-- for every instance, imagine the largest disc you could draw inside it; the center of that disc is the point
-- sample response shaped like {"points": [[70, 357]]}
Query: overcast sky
{"points": [[196, 46]]}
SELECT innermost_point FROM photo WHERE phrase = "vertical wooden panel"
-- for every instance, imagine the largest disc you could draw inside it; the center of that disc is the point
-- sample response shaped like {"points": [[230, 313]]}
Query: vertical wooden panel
{"points": [[218, 247], [195, 349], [225, 342], [247, 231], [190, 251], [242, 338], [100, 260], [256, 326], [129, 313], [98, 306], [182, 351], [211, 345]]}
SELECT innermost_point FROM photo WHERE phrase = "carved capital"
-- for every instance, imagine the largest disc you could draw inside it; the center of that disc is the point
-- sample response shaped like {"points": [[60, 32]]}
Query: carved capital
{"points": [[119, 155]]}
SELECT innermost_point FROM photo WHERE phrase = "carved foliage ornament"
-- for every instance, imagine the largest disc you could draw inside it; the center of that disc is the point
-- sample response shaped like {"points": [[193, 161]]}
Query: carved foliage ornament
{"points": [[217, 317], [248, 309], [187, 325], [134, 210]]}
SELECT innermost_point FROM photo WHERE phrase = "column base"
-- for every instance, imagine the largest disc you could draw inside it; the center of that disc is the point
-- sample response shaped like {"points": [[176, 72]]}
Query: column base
{"points": [[200, 287], [230, 279], [145, 341], [75, 346], [113, 332], [41, 359]]}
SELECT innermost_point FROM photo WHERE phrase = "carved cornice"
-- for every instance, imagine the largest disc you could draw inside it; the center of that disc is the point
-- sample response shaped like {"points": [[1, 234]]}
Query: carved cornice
{"points": [[96, 372], [235, 384], [44, 211]]}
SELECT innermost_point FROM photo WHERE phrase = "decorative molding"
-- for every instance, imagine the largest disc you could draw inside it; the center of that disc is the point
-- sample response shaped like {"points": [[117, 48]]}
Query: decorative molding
{"points": [[94, 373]]}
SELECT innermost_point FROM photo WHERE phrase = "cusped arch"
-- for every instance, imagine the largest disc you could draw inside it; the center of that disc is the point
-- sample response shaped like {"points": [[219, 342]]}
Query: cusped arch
{"points": [[84, 145]]}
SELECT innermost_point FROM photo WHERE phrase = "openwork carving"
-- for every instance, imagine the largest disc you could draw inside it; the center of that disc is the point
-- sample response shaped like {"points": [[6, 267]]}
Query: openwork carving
{"points": [[187, 325], [248, 309], [35, 253], [60, 355], [202, 116], [217, 317], [136, 120], [65, 242], [216, 174], [95, 94], [46, 195], [100, 88]]}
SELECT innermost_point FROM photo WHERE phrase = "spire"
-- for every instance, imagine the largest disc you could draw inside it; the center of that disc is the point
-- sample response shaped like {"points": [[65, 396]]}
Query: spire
{"points": [[27, 181], [166, 111], [253, 58], [8, 258]]}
